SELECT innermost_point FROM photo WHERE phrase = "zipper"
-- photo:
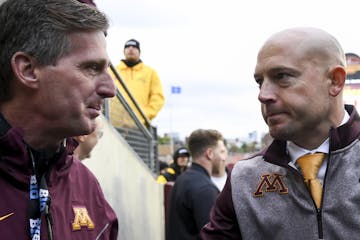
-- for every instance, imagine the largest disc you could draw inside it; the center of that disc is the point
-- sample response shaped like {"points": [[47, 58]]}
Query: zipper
{"points": [[318, 210], [49, 220], [319, 220], [102, 231]]}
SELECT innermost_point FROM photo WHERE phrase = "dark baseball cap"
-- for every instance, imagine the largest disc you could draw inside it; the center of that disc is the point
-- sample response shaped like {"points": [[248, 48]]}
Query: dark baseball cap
{"points": [[181, 152], [132, 42]]}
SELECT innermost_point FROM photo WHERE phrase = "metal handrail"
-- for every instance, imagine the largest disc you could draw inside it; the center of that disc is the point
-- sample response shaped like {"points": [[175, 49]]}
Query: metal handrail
{"points": [[147, 130], [132, 114], [117, 75]]}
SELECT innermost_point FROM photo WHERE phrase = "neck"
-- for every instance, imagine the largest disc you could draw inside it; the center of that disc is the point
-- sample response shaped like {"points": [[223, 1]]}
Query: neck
{"points": [[220, 173], [32, 129], [131, 63], [204, 163], [315, 136], [79, 153]]}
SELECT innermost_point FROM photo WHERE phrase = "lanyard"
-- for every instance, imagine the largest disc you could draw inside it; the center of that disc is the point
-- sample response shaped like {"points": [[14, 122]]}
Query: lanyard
{"points": [[39, 203]]}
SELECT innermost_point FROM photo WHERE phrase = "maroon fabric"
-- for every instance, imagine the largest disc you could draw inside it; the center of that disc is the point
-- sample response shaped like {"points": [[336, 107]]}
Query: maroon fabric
{"points": [[71, 185], [167, 189], [90, 2]]}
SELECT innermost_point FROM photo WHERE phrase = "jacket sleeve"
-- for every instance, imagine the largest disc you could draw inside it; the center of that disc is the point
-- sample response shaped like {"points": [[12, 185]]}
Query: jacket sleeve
{"points": [[113, 230], [110, 229], [156, 98], [223, 223], [203, 200]]}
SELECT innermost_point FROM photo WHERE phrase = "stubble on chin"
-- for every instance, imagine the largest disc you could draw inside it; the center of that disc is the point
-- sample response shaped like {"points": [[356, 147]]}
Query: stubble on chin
{"points": [[280, 133]]}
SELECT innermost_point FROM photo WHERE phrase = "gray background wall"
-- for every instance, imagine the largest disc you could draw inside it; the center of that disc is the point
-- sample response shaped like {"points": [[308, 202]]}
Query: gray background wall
{"points": [[129, 187]]}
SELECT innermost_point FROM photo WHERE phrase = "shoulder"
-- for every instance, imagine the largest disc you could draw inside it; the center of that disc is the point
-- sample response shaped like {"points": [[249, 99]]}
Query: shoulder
{"points": [[196, 180], [167, 176], [184, 181], [81, 170], [83, 179], [250, 162], [250, 173], [201, 187], [147, 68], [250, 166], [87, 194], [121, 66], [85, 183], [144, 65]]}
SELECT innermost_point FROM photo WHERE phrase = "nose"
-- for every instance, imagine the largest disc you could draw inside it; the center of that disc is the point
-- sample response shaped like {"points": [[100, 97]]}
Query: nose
{"points": [[267, 92], [106, 87]]}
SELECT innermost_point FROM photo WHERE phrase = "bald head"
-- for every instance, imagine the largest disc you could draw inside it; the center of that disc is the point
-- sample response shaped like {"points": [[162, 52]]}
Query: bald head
{"points": [[311, 43], [301, 75]]}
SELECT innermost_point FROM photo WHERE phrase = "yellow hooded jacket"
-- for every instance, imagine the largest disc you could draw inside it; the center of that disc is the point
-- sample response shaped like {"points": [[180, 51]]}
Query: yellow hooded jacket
{"points": [[144, 84]]}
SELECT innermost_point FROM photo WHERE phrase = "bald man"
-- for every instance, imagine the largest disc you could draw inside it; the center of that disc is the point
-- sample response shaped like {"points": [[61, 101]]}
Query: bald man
{"points": [[301, 75]]}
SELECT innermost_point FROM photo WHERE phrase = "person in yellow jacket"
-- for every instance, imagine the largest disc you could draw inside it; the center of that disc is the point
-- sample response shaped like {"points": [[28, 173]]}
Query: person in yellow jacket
{"points": [[142, 81]]}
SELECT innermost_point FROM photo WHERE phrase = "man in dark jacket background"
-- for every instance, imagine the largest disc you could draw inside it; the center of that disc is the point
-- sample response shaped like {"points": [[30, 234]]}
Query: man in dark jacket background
{"points": [[194, 193]]}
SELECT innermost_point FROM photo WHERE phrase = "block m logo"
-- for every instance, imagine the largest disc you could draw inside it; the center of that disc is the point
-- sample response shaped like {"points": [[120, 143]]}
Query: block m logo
{"points": [[271, 183], [82, 219]]}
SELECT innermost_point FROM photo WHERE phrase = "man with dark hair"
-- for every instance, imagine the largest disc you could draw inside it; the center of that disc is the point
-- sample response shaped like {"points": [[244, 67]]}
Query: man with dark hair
{"points": [[194, 193], [54, 80]]}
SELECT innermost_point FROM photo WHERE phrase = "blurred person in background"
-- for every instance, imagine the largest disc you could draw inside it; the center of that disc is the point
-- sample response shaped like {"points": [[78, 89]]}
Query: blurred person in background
{"points": [[194, 193], [178, 166], [219, 175], [88, 142], [142, 81]]}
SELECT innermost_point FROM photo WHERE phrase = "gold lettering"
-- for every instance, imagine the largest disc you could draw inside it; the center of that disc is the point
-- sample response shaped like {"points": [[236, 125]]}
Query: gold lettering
{"points": [[82, 219]]}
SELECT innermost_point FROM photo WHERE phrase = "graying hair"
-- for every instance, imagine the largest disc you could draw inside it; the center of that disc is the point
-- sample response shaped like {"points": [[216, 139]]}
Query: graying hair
{"points": [[41, 28]]}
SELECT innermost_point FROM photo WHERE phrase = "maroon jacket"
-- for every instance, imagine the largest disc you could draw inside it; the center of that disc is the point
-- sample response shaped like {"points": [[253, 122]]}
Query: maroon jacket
{"points": [[78, 207], [90, 2]]}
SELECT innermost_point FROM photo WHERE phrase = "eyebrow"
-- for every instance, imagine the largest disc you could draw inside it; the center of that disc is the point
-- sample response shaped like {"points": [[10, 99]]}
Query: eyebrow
{"points": [[100, 61], [276, 70]]}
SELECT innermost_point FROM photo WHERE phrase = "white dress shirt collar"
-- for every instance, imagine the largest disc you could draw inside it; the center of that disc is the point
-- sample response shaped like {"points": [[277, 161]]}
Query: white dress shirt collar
{"points": [[295, 151]]}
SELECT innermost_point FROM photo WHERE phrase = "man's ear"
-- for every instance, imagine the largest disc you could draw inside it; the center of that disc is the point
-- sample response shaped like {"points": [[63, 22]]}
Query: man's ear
{"points": [[24, 68], [209, 153], [337, 76]]}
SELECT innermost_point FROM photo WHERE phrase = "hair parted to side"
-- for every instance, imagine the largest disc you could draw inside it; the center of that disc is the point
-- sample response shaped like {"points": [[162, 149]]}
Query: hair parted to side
{"points": [[201, 139], [41, 29]]}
